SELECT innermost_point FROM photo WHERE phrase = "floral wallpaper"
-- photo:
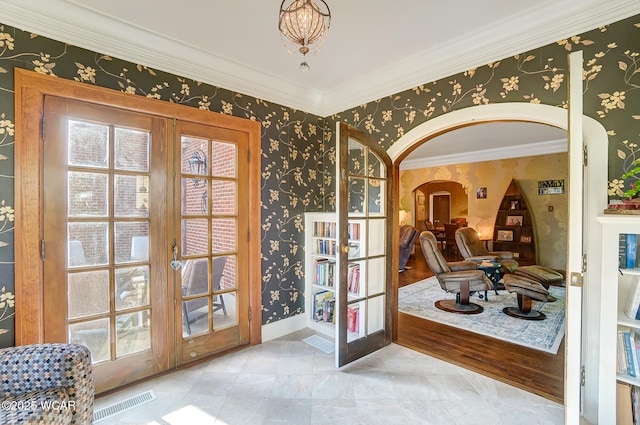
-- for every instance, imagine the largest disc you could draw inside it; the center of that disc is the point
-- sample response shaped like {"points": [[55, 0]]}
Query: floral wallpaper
{"points": [[298, 157], [611, 81], [294, 152]]}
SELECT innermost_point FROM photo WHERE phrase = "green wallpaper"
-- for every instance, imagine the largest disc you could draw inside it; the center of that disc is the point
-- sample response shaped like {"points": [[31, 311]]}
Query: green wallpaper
{"points": [[297, 147]]}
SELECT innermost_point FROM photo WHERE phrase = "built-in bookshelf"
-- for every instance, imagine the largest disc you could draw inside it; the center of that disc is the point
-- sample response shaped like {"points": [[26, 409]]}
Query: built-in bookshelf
{"points": [[619, 388], [322, 275], [514, 227]]}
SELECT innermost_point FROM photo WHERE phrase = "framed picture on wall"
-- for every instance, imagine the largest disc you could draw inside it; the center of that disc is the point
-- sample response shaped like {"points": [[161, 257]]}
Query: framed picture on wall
{"points": [[420, 199], [505, 235], [514, 220], [515, 204], [481, 193]]}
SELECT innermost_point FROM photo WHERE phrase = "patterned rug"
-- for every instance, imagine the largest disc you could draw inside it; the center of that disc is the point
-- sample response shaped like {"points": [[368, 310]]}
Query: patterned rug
{"points": [[418, 300]]}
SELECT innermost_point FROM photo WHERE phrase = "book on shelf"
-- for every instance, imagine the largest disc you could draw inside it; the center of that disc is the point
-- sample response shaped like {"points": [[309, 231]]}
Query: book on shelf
{"points": [[632, 307], [353, 231], [621, 359], [324, 303], [324, 230], [326, 247], [353, 318], [353, 278], [628, 253], [635, 404], [628, 350], [325, 272]]}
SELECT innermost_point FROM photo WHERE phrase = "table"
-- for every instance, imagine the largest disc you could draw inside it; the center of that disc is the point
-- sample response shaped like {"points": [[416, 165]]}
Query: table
{"points": [[492, 270]]}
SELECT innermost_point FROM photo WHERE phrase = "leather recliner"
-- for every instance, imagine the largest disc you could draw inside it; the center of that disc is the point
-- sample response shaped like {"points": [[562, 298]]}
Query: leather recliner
{"points": [[472, 249], [460, 278], [408, 236]]}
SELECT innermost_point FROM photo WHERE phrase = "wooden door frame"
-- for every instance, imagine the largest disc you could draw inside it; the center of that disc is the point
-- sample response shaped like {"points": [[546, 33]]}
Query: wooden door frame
{"points": [[30, 90], [345, 132]]}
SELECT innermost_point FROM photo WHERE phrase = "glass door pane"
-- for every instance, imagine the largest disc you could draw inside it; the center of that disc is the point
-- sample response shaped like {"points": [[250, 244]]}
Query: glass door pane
{"points": [[98, 238], [210, 184], [363, 213]]}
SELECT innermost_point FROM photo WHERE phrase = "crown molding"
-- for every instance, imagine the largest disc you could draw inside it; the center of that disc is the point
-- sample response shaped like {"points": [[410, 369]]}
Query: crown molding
{"points": [[544, 27], [517, 151], [124, 41]]}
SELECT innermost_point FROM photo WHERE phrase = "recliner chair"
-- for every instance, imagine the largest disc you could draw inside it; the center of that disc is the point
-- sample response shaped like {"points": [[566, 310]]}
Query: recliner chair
{"points": [[461, 278], [472, 249], [408, 236]]}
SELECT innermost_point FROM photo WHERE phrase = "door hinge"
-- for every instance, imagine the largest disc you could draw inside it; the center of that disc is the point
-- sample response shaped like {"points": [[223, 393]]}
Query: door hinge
{"points": [[585, 156], [582, 373], [584, 263], [42, 125], [42, 249]]}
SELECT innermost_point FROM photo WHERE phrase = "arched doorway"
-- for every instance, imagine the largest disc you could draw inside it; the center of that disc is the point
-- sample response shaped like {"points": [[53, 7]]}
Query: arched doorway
{"points": [[594, 137]]}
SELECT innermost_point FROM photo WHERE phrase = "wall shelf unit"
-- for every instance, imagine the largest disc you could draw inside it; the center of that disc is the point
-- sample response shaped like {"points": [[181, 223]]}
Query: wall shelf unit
{"points": [[619, 285], [322, 276], [514, 229]]}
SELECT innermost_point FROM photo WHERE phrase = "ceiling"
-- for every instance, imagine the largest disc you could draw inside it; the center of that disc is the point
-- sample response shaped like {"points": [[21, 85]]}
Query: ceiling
{"points": [[486, 142], [374, 48]]}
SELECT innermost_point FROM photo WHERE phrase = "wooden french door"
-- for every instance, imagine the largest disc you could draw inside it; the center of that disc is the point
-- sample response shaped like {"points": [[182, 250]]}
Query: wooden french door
{"points": [[142, 238], [364, 232], [212, 228]]}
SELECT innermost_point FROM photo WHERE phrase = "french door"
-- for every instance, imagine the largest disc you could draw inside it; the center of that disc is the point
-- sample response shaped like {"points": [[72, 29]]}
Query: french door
{"points": [[364, 232], [213, 227], [142, 237]]}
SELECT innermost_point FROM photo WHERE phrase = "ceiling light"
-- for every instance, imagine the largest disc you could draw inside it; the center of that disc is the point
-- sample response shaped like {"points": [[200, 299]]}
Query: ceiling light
{"points": [[303, 26]]}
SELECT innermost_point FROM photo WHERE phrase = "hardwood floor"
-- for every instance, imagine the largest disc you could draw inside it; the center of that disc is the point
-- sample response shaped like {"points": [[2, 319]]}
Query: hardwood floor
{"points": [[532, 370]]}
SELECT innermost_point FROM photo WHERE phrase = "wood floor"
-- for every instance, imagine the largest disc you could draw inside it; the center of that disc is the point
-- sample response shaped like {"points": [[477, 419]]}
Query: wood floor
{"points": [[533, 370]]}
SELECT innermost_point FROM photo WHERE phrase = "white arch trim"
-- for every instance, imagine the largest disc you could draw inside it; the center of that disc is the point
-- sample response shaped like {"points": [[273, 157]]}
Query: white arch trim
{"points": [[518, 111], [595, 139]]}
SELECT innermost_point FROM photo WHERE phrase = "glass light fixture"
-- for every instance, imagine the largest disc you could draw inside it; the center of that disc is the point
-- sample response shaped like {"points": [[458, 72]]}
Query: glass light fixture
{"points": [[303, 25]]}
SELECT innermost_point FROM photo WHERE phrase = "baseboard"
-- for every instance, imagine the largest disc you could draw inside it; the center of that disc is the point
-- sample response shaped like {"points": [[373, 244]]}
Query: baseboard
{"points": [[283, 327]]}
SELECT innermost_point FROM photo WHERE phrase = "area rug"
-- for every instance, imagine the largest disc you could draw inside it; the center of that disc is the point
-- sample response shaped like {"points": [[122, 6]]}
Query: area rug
{"points": [[418, 300]]}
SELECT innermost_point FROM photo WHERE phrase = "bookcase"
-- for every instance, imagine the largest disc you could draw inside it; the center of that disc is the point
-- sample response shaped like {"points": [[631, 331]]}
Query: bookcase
{"points": [[514, 227], [620, 282], [321, 274]]}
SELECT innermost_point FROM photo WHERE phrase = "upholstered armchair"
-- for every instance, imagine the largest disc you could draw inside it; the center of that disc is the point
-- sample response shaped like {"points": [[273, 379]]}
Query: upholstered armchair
{"points": [[460, 278], [46, 384], [408, 236], [472, 249]]}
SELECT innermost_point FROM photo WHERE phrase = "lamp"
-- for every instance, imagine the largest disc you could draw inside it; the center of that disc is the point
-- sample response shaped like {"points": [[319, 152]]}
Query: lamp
{"points": [[198, 165], [303, 23]]}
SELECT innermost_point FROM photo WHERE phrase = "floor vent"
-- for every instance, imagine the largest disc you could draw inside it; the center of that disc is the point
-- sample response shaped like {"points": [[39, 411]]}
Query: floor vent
{"points": [[320, 343], [121, 406]]}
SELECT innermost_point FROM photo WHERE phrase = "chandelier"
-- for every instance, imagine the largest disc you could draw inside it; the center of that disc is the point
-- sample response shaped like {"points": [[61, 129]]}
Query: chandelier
{"points": [[303, 25]]}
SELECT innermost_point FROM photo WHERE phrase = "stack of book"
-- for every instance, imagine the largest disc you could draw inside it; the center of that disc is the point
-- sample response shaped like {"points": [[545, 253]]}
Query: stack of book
{"points": [[628, 347], [325, 270], [324, 304]]}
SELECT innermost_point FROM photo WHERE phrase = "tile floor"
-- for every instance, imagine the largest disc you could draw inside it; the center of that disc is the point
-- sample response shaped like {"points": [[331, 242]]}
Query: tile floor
{"points": [[287, 381]]}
